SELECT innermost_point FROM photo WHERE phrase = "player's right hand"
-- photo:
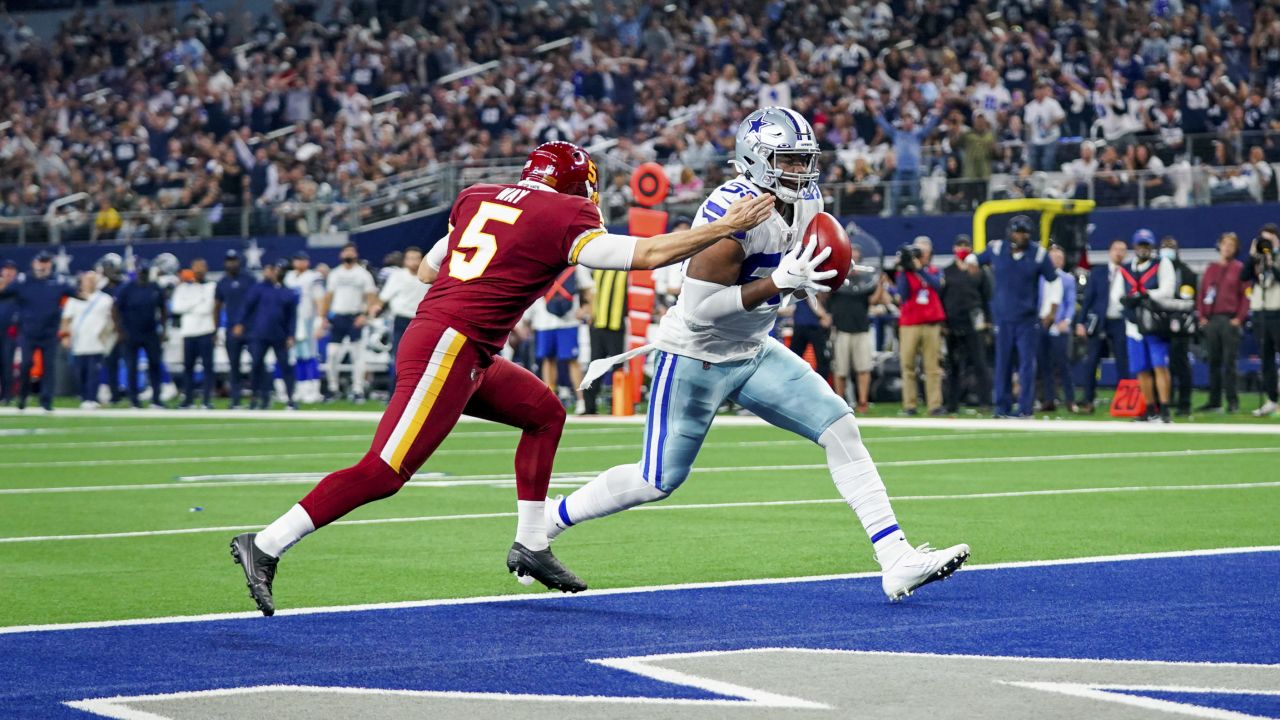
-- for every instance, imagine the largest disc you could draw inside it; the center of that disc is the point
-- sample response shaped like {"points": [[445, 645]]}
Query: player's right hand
{"points": [[748, 212], [798, 269]]}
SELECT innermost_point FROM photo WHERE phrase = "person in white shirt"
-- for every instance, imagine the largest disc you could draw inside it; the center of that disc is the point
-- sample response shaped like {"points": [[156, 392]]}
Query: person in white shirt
{"points": [[1043, 117], [310, 287], [990, 96], [401, 295], [193, 300], [89, 332], [351, 293]]}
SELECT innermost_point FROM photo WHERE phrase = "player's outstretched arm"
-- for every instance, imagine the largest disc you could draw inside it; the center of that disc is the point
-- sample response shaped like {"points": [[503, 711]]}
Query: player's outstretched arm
{"points": [[660, 250]]}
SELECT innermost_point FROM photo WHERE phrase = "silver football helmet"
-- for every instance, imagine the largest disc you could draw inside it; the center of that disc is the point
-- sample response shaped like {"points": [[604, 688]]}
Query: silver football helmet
{"points": [[769, 136]]}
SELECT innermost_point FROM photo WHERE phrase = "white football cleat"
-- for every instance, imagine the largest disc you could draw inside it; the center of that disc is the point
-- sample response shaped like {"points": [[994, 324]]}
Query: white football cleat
{"points": [[555, 525], [921, 566]]}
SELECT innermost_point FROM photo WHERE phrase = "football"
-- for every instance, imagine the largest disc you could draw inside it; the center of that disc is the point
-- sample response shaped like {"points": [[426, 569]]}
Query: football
{"points": [[828, 233]]}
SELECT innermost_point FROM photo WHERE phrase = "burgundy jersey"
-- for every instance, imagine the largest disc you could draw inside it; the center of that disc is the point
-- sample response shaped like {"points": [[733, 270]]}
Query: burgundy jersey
{"points": [[507, 244]]}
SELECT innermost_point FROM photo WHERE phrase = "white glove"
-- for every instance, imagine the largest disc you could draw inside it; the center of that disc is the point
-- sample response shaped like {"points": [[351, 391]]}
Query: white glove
{"points": [[798, 269]]}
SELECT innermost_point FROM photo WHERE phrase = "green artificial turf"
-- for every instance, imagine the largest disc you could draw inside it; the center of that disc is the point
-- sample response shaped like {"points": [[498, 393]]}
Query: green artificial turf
{"points": [[63, 580]]}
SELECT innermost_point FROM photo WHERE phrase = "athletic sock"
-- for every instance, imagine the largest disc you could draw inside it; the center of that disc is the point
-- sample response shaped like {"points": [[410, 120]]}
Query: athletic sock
{"points": [[285, 531], [858, 481], [612, 491], [531, 525]]}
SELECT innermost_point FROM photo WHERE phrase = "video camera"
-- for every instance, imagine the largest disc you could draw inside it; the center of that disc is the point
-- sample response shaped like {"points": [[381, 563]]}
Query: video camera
{"points": [[908, 255], [1263, 248]]}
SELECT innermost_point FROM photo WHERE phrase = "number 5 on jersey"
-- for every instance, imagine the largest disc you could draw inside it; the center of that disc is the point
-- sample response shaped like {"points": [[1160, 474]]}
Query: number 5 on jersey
{"points": [[475, 238]]}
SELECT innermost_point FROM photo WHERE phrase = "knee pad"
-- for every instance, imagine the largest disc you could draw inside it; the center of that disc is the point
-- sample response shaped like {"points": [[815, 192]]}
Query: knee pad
{"points": [[381, 480], [546, 413]]}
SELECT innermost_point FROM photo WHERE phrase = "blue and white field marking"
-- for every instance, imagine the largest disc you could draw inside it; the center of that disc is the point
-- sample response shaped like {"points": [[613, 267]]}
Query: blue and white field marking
{"points": [[1122, 637]]}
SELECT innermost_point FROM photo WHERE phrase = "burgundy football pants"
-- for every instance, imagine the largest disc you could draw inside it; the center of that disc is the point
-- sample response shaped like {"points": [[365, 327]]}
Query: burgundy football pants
{"points": [[440, 376]]}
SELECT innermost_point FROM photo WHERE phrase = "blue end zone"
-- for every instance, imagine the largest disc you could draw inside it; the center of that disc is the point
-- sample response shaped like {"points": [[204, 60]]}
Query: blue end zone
{"points": [[1182, 609]]}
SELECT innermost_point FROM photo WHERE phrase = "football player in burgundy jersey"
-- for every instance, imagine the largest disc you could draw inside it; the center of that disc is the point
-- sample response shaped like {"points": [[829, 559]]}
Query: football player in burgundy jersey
{"points": [[506, 245]]}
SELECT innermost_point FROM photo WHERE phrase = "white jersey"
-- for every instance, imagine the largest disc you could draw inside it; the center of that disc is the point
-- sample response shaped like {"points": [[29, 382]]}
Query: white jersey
{"points": [[349, 286], [310, 288], [740, 335]]}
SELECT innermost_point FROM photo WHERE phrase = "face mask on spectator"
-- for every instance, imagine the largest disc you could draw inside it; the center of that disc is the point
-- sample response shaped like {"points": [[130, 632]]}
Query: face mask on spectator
{"points": [[961, 254], [1168, 253]]}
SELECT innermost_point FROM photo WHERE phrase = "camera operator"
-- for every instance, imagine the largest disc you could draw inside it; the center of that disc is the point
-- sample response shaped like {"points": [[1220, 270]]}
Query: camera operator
{"points": [[1148, 278], [920, 325], [1264, 302], [1184, 300], [966, 298]]}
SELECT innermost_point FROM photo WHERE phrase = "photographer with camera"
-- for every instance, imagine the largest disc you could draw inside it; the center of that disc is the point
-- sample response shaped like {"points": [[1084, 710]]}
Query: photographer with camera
{"points": [[920, 325], [1264, 302], [1142, 285]]}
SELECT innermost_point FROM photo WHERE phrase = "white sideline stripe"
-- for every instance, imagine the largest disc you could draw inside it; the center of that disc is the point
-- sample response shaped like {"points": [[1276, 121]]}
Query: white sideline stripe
{"points": [[1090, 426], [259, 439], [116, 707], [409, 604], [666, 507], [243, 479], [1096, 692]]}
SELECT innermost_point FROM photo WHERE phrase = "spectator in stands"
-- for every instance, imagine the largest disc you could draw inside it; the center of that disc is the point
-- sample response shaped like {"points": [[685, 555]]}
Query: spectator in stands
{"points": [[1079, 173], [1149, 173], [401, 295], [1112, 186], [854, 344], [920, 325], [1100, 321], [230, 293], [977, 149], [1222, 309], [1058, 303], [88, 333], [194, 302], [350, 296], [907, 139], [1184, 297], [268, 323], [8, 331], [1017, 268], [1043, 117], [1264, 305], [141, 316], [966, 299]]}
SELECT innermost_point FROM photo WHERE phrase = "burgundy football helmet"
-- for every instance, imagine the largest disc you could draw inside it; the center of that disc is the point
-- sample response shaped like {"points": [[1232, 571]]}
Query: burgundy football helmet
{"points": [[565, 167]]}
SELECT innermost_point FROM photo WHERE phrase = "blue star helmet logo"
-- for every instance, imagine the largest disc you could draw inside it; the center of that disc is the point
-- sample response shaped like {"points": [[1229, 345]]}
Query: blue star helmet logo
{"points": [[757, 124]]}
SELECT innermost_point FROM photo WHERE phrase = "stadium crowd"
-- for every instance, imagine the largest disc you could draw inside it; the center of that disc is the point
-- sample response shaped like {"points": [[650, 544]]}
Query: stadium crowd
{"points": [[276, 111]]}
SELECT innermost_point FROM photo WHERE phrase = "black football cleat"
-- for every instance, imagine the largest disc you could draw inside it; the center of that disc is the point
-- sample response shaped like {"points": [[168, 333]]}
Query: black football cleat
{"points": [[259, 571], [542, 566]]}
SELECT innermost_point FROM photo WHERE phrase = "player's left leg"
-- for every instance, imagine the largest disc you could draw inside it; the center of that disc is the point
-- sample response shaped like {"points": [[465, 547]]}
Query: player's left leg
{"points": [[513, 396], [784, 391], [440, 371], [683, 398]]}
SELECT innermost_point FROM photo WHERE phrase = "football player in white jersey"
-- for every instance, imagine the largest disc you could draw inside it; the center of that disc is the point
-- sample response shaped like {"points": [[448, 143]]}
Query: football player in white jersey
{"points": [[309, 286], [714, 345]]}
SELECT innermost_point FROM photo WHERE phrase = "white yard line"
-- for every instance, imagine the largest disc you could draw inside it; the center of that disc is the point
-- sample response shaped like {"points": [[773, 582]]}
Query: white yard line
{"points": [[543, 597], [1092, 426], [248, 479], [259, 439], [667, 507]]}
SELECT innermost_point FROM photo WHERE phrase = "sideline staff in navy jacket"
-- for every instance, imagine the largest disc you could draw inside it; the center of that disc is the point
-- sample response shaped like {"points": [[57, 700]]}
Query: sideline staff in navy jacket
{"points": [[141, 314], [270, 311], [39, 300], [1018, 267], [230, 294]]}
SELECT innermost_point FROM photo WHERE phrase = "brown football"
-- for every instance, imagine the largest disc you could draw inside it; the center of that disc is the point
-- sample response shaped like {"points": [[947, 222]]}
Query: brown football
{"points": [[828, 232]]}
